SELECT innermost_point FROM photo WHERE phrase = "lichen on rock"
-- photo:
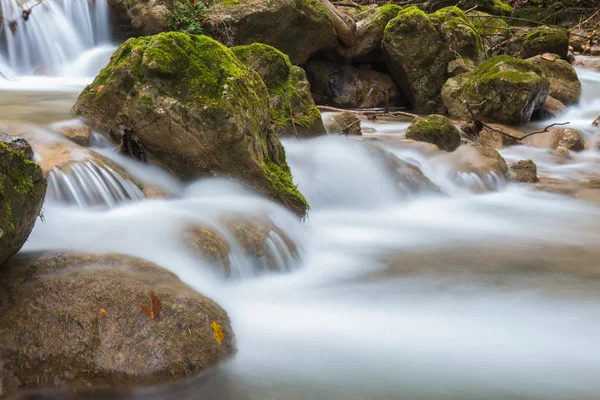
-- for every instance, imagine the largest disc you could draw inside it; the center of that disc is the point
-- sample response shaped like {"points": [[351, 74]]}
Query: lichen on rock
{"points": [[187, 103]]}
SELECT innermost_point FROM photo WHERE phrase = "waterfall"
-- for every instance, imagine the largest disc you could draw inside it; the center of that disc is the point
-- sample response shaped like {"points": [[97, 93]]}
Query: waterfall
{"points": [[55, 35]]}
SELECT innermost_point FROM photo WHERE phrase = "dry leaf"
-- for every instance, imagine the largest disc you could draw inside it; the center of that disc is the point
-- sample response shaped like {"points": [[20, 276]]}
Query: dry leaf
{"points": [[155, 307], [103, 312], [548, 57], [100, 88]]}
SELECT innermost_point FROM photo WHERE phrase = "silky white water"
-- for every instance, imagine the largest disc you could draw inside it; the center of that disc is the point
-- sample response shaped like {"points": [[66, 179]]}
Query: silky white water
{"points": [[486, 290]]}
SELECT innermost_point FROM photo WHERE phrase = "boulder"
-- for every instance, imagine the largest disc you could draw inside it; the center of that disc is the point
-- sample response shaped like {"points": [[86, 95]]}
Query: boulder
{"points": [[299, 28], [106, 320], [146, 17], [496, 140], [524, 171], [188, 104], [503, 89], [77, 133], [564, 138], [418, 48], [551, 109], [461, 66], [496, 7], [22, 190], [564, 83], [435, 129], [343, 123], [347, 86], [481, 161], [370, 26], [293, 111], [528, 43]]}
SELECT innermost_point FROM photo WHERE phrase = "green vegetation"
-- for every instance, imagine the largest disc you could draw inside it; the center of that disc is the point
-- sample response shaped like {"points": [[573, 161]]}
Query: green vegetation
{"points": [[282, 186], [185, 17]]}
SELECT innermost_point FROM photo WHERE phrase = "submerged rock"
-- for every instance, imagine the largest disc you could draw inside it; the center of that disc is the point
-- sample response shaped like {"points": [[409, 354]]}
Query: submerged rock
{"points": [[503, 89], [299, 28], [293, 111], [532, 42], [523, 171], [347, 86], [78, 318], [22, 190], [564, 83], [418, 48], [481, 161], [187, 103], [435, 129], [343, 123]]}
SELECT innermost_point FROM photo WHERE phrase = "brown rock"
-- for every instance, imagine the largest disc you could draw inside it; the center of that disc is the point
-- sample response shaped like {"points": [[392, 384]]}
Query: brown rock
{"points": [[79, 134], [344, 123], [496, 140], [523, 171], [552, 109]]}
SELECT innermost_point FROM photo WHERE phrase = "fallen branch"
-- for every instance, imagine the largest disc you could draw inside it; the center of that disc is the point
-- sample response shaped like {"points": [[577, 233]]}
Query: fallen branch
{"points": [[368, 113]]}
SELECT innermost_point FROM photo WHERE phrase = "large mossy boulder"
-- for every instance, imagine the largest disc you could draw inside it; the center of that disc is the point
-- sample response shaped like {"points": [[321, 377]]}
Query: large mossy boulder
{"points": [[503, 89], [435, 129], [495, 7], [418, 48], [299, 28], [532, 42], [293, 111], [564, 83], [370, 26], [347, 86], [22, 190], [188, 104], [87, 319]]}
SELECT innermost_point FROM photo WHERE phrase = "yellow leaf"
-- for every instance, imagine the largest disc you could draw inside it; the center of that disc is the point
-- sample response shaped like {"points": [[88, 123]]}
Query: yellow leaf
{"points": [[218, 332], [103, 312]]}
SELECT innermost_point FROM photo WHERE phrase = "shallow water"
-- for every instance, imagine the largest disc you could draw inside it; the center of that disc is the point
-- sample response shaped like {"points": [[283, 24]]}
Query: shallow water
{"points": [[486, 290]]}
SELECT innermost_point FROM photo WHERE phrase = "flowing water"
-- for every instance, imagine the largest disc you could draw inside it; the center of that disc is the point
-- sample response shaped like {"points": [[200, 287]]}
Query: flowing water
{"points": [[484, 290]]}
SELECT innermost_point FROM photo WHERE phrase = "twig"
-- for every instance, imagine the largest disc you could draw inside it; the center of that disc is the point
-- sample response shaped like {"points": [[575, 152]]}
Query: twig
{"points": [[367, 113]]}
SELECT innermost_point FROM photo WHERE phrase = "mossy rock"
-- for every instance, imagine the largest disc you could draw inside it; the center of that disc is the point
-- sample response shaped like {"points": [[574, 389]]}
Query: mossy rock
{"points": [[495, 7], [73, 318], [188, 104], [22, 190], [493, 30], [564, 82], [524, 171], [293, 111], [370, 26], [299, 28], [503, 89], [435, 129], [418, 48], [532, 42]]}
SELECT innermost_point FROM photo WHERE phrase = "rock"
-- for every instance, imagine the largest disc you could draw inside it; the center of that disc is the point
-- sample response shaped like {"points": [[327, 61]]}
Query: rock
{"points": [[77, 133], [507, 90], [528, 43], [370, 26], [496, 140], [566, 138], [22, 190], [435, 129], [461, 66], [596, 122], [418, 48], [293, 111], [496, 7], [78, 318], [343, 123], [577, 39], [299, 28], [562, 152], [347, 86], [481, 161], [552, 109], [564, 83], [493, 30], [187, 103], [523, 171], [146, 17]]}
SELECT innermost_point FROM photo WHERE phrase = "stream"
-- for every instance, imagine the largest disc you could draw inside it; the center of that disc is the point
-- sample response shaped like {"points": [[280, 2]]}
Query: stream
{"points": [[488, 290]]}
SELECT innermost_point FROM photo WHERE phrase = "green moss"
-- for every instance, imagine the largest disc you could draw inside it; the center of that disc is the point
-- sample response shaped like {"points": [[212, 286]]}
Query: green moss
{"points": [[282, 186], [186, 16], [435, 129], [498, 7], [408, 19], [147, 101]]}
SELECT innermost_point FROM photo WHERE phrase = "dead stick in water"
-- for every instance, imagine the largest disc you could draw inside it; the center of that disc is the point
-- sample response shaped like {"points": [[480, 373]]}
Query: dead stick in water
{"points": [[368, 113]]}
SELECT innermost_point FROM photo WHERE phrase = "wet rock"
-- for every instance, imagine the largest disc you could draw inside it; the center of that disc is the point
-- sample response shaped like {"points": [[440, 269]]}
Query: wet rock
{"points": [[523, 171], [22, 190], [293, 111], [187, 103], [502, 89], [418, 48], [528, 43], [562, 152], [577, 39], [492, 29], [496, 140], [481, 161], [146, 17], [299, 28], [462, 66], [552, 109], [370, 26], [566, 138], [435, 129], [343, 123], [78, 318], [77, 133], [347, 86], [564, 83], [496, 7]]}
